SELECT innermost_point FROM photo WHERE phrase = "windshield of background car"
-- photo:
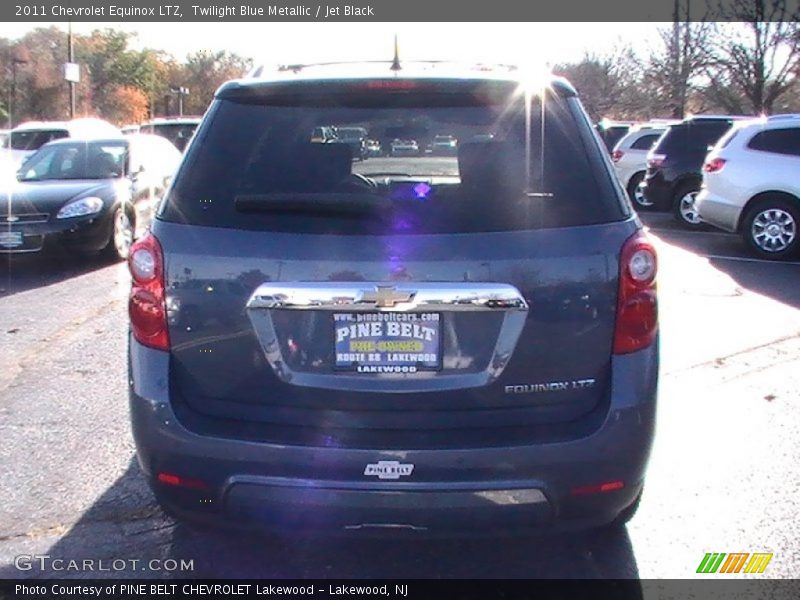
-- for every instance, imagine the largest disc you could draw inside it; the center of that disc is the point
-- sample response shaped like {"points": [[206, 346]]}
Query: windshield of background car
{"points": [[35, 139], [504, 174], [79, 160], [350, 134]]}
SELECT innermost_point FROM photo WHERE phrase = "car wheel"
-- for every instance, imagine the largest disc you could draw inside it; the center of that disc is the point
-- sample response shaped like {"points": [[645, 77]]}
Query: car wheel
{"points": [[121, 240], [636, 194], [684, 206], [770, 228]]}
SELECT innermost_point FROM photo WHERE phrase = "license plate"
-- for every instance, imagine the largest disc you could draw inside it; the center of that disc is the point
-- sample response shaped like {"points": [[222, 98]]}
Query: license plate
{"points": [[10, 239], [387, 342]]}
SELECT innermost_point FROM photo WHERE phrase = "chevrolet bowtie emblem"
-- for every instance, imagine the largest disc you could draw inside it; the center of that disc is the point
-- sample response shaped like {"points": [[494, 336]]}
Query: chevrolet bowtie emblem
{"points": [[385, 296]]}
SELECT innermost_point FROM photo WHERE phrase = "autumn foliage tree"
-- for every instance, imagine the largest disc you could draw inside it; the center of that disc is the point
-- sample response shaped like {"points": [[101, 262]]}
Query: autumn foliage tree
{"points": [[126, 104]]}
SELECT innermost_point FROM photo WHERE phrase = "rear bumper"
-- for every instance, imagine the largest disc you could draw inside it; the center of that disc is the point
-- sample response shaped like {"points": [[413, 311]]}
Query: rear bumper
{"points": [[294, 488], [717, 211]]}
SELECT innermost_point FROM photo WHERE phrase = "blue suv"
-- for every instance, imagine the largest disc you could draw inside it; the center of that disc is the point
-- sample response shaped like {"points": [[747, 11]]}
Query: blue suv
{"points": [[419, 342]]}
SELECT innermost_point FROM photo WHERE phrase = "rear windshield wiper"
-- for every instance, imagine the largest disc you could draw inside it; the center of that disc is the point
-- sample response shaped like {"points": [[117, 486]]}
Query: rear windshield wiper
{"points": [[334, 204]]}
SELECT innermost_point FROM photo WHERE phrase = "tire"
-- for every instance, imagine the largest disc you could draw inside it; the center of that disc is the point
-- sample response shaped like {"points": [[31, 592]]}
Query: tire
{"points": [[771, 228], [635, 193], [683, 206], [121, 238]]}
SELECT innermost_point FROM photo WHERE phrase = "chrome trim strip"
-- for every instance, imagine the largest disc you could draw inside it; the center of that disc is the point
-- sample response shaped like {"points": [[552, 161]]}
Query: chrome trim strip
{"points": [[400, 297], [389, 297]]}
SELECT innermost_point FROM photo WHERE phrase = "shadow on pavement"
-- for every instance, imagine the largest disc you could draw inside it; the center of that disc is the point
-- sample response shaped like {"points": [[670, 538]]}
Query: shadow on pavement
{"points": [[23, 272], [773, 279], [125, 523]]}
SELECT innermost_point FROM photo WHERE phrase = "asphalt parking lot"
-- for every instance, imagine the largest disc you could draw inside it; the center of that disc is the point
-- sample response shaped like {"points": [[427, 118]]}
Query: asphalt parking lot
{"points": [[723, 476]]}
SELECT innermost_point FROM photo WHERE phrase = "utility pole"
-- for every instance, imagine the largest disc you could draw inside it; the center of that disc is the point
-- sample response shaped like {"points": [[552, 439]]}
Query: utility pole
{"points": [[72, 71], [19, 56], [71, 60], [180, 92]]}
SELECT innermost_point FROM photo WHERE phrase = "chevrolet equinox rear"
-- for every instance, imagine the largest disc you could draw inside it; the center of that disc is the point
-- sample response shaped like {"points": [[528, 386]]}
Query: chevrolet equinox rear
{"points": [[418, 342]]}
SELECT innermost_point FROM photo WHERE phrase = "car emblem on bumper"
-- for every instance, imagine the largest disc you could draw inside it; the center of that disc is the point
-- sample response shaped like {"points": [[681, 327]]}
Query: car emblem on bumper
{"points": [[385, 296], [388, 469]]}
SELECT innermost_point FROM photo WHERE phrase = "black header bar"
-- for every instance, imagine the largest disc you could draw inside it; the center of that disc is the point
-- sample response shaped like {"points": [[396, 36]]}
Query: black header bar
{"points": [[179, 11]]}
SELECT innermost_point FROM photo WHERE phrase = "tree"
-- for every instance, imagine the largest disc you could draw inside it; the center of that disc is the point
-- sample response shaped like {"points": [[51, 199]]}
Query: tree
{"points": [[203, 73], [126, 104], [111, 65], [755, 62], [674, 66], [609, 85]]}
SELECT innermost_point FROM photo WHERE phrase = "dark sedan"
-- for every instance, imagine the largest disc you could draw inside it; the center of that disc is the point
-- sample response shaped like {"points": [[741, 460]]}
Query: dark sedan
{"points": [[86, 195]]}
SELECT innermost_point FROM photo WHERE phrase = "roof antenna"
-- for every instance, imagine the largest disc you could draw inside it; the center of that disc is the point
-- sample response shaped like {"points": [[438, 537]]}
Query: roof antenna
{"points": [[396, 60]]}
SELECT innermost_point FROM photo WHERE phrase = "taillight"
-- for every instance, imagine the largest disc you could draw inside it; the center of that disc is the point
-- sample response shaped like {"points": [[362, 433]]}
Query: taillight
{"points": [[616, 155], [714, 165], [654, 161], [637, 306], [146, 306]]}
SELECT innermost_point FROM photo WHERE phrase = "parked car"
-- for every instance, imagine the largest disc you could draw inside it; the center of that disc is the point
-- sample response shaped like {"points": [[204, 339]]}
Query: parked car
{"points": [[27, 138], [178, 130], [751, 185], [90, 195], [355, 137], [323, 135], [630, 160], [479, 352], [404, 147], [373, 148], [612, 131], [444, 145], [674, 175]]}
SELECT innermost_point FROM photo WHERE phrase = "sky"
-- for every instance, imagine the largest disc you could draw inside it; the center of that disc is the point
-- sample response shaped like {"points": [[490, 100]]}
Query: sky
{"points": [[271, 43]]}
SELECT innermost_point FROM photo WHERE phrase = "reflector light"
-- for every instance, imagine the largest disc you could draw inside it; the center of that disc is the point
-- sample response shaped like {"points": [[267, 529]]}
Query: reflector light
{"points": [[178, 481], [608, 486]]}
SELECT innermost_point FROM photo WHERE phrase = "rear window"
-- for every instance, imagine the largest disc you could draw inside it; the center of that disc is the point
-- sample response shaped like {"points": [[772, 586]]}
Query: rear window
{"points": [[261, 162], [778, 141], [35, 139], [692, 137], [646, 141], [177, 133]]}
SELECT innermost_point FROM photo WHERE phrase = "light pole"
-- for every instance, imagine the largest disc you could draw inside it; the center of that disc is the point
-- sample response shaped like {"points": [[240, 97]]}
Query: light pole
{"points": [[18, 57], [181, 92], [70, 76]]}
